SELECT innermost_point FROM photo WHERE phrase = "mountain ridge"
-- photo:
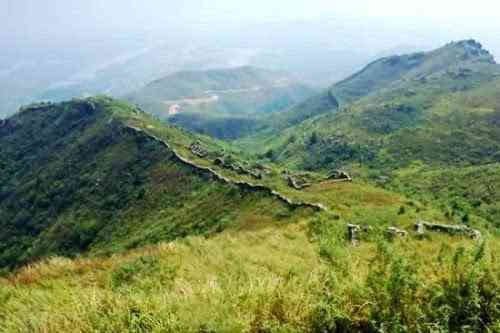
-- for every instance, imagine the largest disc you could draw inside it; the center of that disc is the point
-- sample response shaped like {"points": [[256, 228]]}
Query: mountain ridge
{"points": [[78, 177], [429, 111], [408, 100]]}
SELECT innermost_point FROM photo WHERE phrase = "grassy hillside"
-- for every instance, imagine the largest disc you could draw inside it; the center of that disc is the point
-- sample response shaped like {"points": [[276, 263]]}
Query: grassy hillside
{"points": [[388, 73], [224, 103], [293, 278], [440, 109], [76, 178], [460, 192], [404, 104], [98, 176], [112, 221]]}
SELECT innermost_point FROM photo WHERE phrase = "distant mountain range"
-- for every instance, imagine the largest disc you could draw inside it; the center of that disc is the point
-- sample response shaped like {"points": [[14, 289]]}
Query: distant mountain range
{"points": [[225, 103]]}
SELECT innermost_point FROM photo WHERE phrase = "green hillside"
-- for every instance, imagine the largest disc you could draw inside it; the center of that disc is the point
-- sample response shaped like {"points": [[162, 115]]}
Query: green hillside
{"points": [[225, 103], [461, 192], [440, 109], [281, 278], [98, 176], [370, 207], [395, 71], [76, 177]]}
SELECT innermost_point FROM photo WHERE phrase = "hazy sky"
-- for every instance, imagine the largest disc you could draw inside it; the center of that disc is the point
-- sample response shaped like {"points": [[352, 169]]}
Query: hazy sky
{"points": [[45, 42], [22, 18], [377, 25]]}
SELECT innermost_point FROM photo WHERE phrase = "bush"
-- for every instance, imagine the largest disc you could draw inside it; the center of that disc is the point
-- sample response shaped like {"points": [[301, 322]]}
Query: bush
{"points": [[396, 295]]}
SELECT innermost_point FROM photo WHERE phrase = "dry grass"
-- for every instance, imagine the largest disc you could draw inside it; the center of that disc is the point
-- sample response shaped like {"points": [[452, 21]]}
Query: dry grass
{"points": [[251, 281]]}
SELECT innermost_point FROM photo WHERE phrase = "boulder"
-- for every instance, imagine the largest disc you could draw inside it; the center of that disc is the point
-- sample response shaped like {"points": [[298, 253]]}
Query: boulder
{"points": [[395, 232], [340, 176], [198, 150], [296, 183], [419, 229], [474, 234], [219, 161], [352, 233]]}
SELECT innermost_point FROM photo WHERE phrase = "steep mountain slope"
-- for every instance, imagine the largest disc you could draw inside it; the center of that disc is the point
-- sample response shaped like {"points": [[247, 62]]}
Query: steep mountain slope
{"points": [[394, 71], [224, 103], [394, 111], [82, 176], [438, 110]]}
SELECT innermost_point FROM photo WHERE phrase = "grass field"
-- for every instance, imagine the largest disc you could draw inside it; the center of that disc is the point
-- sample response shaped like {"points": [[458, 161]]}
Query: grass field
{"points": [[302, 277]]}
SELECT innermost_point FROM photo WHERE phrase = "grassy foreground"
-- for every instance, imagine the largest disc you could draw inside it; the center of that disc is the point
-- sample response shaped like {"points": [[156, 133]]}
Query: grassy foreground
{"points": [[301, 277]]}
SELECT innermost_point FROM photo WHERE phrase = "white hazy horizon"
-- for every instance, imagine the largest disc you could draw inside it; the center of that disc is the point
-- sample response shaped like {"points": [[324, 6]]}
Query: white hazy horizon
{"points": [[63, 17], [112, 46]]}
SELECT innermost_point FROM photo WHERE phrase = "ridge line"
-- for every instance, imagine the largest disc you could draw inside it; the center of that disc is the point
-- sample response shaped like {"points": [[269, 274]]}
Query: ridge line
{"points": [[218, 176]]}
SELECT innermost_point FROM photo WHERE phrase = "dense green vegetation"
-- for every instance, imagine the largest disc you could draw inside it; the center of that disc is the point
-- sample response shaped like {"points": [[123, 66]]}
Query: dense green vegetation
{"points": [[439, 108], [75, 178], [460, 192], [403, 105]]}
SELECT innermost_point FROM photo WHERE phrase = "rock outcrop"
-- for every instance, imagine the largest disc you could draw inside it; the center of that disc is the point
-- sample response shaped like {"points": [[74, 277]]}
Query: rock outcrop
{"points": [[297, 183], [449, 229], [340, 176], [198, 150], [393, 232], [353, 233]]}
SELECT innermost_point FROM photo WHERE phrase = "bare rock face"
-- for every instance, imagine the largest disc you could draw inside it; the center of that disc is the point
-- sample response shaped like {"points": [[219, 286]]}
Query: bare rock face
{"points": [[475, 51]]}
